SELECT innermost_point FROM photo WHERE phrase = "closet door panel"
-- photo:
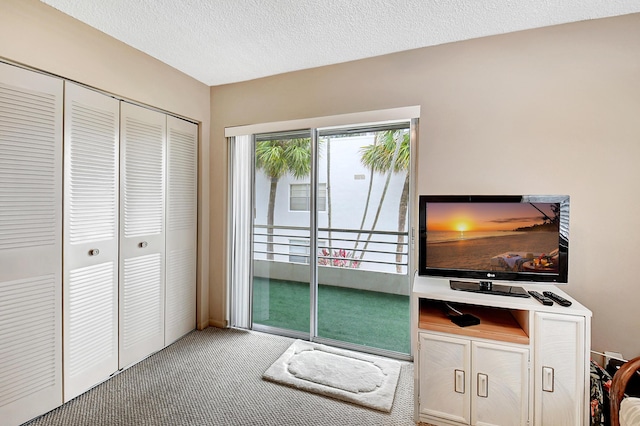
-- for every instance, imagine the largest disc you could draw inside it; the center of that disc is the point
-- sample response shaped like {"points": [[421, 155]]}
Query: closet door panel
{"points": [[90, 238], [182, 183], [30, 244], [142, 232]]}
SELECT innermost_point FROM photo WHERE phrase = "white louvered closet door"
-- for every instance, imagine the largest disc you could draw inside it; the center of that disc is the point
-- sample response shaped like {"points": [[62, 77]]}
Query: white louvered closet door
{"points": [[182, 217], [142, 232], [30, 244], [90, 271]]}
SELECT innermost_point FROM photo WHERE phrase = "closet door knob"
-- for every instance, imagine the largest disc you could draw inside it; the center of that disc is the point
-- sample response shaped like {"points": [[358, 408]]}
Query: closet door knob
{"points": [[94, 252], [143, 244]]}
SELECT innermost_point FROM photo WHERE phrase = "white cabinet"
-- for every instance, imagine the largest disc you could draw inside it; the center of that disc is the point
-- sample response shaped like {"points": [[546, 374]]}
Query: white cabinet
{"points": [[445, 377], [473, 382], [560, 362], [30, 244], [501, 389], [525, 363]]}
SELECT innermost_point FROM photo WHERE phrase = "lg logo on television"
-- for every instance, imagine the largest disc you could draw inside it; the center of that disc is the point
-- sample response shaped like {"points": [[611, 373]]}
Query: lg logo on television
{"points": [[490, 275]]}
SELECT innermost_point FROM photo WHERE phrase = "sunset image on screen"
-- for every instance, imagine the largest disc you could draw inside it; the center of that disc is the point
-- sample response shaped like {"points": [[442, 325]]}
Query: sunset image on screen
{"points": [[484, 217], [462, 226], [491, 236]]}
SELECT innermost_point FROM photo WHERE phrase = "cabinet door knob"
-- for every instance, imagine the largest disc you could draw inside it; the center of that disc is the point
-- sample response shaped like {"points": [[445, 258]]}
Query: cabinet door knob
{"points": [[483, 385], [94, 252], [143, 244], [547, 379], [458, 381]]}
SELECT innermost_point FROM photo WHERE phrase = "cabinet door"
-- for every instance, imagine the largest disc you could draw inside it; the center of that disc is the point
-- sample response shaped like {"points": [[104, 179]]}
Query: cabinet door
{"points": [[560, 373], [90, 269], [182, 221], [30, 244], [142, 232], [500, 381], [445, 379]]}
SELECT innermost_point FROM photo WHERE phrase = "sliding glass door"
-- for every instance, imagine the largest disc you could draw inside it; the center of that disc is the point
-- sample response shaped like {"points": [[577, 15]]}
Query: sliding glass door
{"points": [[330, 236], [281, 229], [363, 283]]}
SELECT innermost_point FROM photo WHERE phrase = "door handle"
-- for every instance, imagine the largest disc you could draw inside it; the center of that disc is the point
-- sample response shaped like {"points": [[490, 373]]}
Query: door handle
{"points": [[483, 385], [143, 244], [458, 381], [547, 379], [94, 252]]}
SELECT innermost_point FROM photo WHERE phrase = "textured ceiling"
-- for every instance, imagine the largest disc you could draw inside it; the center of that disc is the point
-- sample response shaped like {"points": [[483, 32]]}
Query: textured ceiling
{"points": [[226, 41]]}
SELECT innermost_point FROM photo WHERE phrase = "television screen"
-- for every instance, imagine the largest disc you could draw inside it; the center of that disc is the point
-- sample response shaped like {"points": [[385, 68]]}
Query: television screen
{"points": [[510, 238]]}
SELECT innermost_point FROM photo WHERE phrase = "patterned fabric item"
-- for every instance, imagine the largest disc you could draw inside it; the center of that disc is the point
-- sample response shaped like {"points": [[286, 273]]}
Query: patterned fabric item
{"points": [[630, 412], [600, 385]]}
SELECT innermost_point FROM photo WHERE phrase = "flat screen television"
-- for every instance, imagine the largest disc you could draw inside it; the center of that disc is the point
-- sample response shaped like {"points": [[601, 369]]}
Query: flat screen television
{"points": [[521, 238]]}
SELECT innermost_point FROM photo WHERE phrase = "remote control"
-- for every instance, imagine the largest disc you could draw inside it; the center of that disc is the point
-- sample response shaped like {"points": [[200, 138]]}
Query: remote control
{"points": [[558, 299], [540, 298]]}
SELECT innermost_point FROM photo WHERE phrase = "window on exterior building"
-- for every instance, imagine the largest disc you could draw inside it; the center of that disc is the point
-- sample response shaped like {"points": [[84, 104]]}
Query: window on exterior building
{"points": [[300, 197], [299, 251]]}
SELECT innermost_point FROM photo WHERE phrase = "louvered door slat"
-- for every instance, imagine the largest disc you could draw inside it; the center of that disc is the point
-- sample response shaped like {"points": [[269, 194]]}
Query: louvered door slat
{"points": [[142, 232], [144, 173], [182, 183], [90, 223], [30, 244], [181, 293], [30, 137]]}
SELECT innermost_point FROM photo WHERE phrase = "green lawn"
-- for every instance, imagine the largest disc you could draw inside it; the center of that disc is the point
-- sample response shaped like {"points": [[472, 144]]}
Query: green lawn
{"points": [[379, 320]]}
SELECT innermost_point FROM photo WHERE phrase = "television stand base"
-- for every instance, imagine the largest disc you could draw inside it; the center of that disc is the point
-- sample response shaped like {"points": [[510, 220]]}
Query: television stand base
{"points": [[488, 287]]}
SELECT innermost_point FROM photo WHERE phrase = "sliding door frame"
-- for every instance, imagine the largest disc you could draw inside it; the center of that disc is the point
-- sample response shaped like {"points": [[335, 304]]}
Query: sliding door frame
{"points": [[316, 126], [313, 239]]}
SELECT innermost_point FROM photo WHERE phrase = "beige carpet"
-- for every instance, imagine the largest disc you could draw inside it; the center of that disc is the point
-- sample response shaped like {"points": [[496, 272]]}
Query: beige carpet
{"points": [[214, 378], [349, 376]]}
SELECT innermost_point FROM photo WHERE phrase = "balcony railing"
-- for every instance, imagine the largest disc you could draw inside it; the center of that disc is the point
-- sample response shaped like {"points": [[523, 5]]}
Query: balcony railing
{"points": [[371, 250], [362, 281]]}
